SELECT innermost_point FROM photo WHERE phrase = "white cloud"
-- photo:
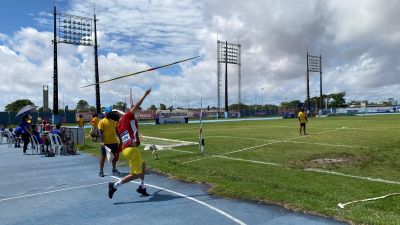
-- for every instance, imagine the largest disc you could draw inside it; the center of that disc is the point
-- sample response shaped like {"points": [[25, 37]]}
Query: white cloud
{"points": [[358, 40]]}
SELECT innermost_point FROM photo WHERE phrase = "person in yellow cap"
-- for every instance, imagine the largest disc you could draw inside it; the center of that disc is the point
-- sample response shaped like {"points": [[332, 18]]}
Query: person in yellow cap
{"points": [[108, 137]]}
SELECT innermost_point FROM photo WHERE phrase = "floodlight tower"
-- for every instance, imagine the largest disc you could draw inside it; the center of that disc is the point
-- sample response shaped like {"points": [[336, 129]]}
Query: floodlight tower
{"points": [[75, 30], [314, 64], [228, 53]]}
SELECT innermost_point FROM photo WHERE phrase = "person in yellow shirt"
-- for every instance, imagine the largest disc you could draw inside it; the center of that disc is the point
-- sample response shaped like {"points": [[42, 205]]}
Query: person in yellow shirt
{"points": [[94, 131], [80, 121], [303, 120], [108, 137]]}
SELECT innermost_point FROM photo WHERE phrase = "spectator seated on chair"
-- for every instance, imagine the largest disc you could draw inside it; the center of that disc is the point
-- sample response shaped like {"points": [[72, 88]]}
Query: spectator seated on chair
{"points": [[17, 136], [67, 139], [57, 129], [47, 126]]}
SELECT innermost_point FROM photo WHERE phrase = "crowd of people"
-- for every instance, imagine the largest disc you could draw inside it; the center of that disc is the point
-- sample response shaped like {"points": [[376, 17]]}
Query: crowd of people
{"points": [[117, 132], [27, 129]]}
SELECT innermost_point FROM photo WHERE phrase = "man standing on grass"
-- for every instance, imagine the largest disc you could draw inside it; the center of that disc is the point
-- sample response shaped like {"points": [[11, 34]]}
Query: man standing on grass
{"points": [[80, 121], [108, 137], [303, 120], [94, 131], [128, 133]]}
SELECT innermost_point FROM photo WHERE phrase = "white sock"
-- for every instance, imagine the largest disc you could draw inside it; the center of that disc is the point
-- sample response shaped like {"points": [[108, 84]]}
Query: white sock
{"points": [[142, 183], [118, 183]]}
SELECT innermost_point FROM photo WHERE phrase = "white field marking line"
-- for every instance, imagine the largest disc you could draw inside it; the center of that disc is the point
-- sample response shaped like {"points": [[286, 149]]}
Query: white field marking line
{"points": [[342, 205], [177, 132], [353, 176], [278, 141], [176, 150], [251, 161], [317, 170], [166, 139], [326, 144], [49, 192], [242, 138], [257, 146], [192, 199], [371, 129], [297, 142]]}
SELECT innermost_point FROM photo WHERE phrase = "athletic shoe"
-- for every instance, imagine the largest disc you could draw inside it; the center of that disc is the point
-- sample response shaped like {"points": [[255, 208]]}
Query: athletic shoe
{"points": [[142, 191], [111, 189], [101, 174], [116, 172]]}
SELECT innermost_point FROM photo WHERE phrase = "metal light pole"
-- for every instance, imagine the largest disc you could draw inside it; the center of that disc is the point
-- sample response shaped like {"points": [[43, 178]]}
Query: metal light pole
{"points": [[55, 71], [262, 98], [96, 68], [226, 80]]}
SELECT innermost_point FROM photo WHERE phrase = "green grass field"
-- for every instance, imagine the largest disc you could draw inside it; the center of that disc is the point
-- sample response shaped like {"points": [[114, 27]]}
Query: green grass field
{"points": [[268, 161]]}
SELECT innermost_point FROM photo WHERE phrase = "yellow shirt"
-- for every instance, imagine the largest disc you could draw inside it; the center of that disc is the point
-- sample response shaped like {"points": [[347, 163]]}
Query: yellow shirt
{"points": [[95, 122], [108, 126], [80, 122], [302, 116]]}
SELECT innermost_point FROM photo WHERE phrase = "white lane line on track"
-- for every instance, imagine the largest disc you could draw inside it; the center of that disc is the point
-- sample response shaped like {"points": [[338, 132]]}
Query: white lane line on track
{"points": [[49, 192], [192, 199]]}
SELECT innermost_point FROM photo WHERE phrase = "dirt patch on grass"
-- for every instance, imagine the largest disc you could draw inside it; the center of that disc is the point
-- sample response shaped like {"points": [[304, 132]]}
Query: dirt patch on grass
{"points": [[330, 160]]}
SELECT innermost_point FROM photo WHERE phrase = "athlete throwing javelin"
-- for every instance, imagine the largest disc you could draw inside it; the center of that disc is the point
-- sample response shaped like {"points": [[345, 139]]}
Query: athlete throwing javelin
{"points": [[127, 131]]}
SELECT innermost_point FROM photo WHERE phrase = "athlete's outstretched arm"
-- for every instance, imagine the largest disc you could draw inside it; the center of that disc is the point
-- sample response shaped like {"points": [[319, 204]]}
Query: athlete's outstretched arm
{"points": [[137, 105]]}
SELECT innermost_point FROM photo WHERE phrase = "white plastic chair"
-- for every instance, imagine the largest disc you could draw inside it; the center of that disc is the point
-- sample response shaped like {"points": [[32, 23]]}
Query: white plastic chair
{"points": [[59, 143], [10, 139], [36, 145], [53, 143]]}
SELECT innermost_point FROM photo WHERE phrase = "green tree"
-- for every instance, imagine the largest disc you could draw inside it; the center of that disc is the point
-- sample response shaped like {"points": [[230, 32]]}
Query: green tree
{"points": [[291, 104], [120, 106], [92, 109], [82, 105], [338, 100], [153, 107], [163, 107], [18, 104], [237, 106]]}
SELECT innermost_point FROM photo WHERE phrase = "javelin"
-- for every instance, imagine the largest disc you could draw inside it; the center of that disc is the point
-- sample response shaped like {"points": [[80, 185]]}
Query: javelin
{"points": [[143, 71]]}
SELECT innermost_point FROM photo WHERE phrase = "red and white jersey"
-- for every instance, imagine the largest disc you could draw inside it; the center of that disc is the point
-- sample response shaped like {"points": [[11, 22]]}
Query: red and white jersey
{"points": [[127, 130]]}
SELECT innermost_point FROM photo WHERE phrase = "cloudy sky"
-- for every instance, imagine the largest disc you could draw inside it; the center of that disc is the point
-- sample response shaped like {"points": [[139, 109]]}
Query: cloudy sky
{"points": [[359, 41]]}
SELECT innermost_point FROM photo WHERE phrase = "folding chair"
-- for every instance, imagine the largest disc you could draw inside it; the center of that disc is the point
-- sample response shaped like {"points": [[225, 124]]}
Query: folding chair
{"points": [[53, 143], [36, 145], [10, 139], [59, 143]]}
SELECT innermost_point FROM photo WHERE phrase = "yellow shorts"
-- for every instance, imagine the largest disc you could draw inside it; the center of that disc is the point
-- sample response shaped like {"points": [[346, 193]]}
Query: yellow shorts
{"points": [[132, 154]]}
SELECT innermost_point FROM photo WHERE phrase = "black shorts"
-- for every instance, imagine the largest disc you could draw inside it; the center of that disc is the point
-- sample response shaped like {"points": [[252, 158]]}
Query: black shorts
{"points": [[303, 124], [113, 147]]}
